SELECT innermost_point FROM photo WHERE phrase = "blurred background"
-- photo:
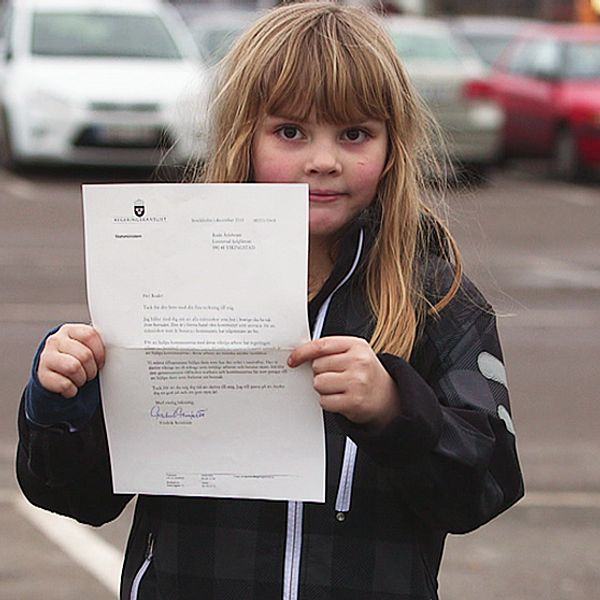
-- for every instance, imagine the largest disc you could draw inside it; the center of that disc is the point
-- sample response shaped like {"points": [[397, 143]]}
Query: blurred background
{"points": [[113, 91]]}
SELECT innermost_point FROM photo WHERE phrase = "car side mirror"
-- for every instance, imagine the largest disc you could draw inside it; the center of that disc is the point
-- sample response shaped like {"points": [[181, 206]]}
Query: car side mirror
{"points": [[5, 51]]}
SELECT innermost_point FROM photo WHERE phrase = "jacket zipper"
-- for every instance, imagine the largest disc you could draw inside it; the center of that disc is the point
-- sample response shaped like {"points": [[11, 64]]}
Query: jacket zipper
{"points": [[293, 550], [137, 580], [344, 496], [295, 513]]}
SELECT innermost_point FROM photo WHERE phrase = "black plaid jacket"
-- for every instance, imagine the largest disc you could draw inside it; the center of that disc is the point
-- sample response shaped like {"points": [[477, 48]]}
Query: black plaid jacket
{"points": [[447, 464]]}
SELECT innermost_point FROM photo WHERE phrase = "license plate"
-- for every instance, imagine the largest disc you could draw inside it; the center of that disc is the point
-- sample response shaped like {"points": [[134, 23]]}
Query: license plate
{"points": [[126, 134]]}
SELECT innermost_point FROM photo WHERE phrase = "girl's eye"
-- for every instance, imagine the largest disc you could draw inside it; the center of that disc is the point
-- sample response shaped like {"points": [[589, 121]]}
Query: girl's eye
{"points": [[355, 135], [289, 132]]}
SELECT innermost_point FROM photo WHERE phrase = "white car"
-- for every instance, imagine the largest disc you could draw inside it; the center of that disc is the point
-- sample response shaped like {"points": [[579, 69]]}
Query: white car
{"points": [[99, 82], [452, 81]]}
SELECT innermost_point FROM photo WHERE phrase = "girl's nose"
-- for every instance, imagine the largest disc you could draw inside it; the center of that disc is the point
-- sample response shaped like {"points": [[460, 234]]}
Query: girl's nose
{"points": [[323, 160]]}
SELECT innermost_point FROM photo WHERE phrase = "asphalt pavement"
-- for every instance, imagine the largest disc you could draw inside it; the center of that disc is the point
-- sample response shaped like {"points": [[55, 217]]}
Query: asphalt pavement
{"points": [[532, 244]]}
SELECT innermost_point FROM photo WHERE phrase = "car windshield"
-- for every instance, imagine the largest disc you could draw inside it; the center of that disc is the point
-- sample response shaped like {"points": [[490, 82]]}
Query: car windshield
{"points": [[489, 47], [214, 43], [416, 46], [583, 60], [95, 34]]}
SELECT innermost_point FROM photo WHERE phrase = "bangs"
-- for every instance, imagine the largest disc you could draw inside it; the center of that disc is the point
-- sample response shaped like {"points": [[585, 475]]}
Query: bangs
{"points": [[327, 73]]}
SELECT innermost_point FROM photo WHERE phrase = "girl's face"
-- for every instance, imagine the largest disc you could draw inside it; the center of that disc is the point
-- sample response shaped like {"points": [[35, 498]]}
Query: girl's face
{"points": [[342, 164]]}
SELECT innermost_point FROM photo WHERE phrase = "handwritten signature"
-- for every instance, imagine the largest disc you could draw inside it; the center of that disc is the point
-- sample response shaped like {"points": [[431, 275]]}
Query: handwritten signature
{"points": [[177, 413]]}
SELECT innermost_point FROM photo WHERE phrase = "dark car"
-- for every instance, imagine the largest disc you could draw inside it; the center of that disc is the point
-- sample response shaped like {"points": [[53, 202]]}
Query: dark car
{"points": [[548, 82]]}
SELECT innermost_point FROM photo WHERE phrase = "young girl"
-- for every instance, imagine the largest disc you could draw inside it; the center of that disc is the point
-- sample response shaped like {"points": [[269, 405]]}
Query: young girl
{"points": [[408, 365]]}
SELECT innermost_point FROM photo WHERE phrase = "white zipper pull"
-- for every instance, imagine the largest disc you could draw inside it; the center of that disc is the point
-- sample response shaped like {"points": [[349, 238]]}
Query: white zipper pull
{"points": [[149, 547], [344, 496]]}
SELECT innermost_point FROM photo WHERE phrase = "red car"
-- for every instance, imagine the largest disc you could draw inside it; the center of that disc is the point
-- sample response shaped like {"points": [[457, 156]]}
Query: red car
{"points": [[548, 81]]}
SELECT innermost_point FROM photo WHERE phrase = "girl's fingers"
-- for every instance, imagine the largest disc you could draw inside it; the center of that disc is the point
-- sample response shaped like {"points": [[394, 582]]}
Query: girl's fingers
{"points": [[349, 379], [65, 365], [58, 384], [70, 358], [332, 403], [69, 347], [329, 383], [322, 347], [89, 337], [333, 363]]}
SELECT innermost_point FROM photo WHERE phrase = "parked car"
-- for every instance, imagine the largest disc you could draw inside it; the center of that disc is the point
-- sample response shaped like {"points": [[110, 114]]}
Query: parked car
{"points": [[548, 82], [101, 82], [489, 35], [451, 79]]}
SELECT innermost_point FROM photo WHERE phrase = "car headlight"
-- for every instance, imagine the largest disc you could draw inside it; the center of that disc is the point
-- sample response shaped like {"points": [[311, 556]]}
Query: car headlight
{"points": [[47, 104]]}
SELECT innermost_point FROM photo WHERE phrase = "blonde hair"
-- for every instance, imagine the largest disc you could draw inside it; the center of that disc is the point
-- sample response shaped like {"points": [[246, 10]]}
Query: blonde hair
{"points": [[337, 64]]}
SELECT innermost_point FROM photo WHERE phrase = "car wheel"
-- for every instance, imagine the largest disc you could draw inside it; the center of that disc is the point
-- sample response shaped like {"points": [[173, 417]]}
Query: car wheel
{"points": [[501, 156], [566, 163], [7, 157]]}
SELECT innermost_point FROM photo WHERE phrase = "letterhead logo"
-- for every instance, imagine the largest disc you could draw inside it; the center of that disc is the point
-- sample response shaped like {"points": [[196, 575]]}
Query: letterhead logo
{"points": [[139, 210], [140, 214]]}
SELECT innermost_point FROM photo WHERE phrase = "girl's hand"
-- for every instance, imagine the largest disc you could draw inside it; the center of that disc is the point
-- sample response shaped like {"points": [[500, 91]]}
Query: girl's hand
{"points": [[71, 357], [350, 379]]}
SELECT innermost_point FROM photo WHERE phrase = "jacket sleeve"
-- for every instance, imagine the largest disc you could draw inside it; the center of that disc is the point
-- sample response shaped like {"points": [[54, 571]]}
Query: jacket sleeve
{"points": [[67, 471], [452, 451]]}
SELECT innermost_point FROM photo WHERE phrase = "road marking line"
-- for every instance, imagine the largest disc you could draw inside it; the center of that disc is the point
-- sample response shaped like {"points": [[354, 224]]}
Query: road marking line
{"points": [[18, 187], [580, 196], [551, 318], [82, 545], [561, 500], [582, 202]]}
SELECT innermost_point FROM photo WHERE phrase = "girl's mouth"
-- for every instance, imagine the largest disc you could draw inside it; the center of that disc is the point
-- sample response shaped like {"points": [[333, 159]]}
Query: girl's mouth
{"points": [[323, 196]]}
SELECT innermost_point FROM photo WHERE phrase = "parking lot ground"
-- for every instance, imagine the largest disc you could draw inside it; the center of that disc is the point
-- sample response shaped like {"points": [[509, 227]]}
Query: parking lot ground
{"points": [[532, 552], [531, 243]]}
